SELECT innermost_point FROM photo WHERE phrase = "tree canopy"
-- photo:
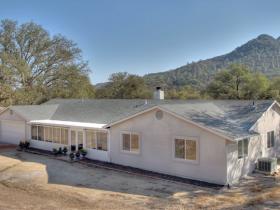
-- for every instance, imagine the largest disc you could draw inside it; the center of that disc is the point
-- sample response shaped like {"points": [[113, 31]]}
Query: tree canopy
{"points": [[35, 67], [238, 82], [124, 85]]}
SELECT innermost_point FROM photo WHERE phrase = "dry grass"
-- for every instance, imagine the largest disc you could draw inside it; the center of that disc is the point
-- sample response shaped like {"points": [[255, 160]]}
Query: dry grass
{"points": [[270, 194], [25, 184]]}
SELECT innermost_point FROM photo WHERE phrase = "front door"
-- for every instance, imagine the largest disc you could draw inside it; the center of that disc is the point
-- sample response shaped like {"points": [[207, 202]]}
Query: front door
{"points": [[76, 140]]}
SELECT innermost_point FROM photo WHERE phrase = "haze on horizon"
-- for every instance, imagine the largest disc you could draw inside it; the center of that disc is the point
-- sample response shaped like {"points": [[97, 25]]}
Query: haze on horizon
{"points": [[148, 36]]}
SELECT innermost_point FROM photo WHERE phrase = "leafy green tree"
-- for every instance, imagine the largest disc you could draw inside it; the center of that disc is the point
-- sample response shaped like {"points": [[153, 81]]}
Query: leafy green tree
{"points": [[37, 66], [229, 84], [257, 87], [124, 86], [183, 93], [274, 88]]}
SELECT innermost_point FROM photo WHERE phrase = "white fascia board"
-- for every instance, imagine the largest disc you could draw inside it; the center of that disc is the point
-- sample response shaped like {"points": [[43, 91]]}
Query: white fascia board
{"points": [[68, 124]]}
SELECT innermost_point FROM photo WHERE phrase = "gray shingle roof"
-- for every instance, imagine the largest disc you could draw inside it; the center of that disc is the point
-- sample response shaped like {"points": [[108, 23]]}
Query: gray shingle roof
{"points": [[229, 117], [35, 112], [232, 118]]}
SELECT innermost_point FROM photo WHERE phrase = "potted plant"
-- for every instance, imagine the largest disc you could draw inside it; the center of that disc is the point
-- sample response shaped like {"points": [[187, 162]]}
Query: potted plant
{"points": [[72, 156], [26, 144], [64, 151], [55, 151], [59, 151], [78, 155], [21, 145], [83, 152]]}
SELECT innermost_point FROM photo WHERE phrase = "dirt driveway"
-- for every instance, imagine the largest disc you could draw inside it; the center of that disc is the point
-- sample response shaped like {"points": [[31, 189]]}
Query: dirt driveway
{"points": [[29, 181]]}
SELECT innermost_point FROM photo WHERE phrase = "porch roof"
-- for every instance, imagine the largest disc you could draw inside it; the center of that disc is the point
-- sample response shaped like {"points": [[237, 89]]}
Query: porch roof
{"points": [[67, 123]]}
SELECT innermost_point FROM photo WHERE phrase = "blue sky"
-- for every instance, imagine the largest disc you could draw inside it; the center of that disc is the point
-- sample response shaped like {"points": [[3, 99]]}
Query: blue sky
{"points": [[146, 36]]}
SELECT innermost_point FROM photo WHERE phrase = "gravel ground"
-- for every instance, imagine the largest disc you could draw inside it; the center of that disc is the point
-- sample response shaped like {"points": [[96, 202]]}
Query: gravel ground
{"points": [[29, 181]]}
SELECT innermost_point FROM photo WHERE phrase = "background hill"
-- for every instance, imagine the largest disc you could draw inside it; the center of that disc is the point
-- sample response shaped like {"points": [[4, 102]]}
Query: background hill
{"points": [[261, 54]]}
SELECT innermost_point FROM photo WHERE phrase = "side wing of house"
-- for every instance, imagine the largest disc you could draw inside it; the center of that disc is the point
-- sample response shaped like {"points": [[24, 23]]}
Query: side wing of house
{"points": [[13, 127], [268, 126], [242, 159], [159, 141]]}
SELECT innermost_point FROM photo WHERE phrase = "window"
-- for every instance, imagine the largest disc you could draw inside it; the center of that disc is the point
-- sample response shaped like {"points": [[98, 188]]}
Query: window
{"points": [[96, 140], [64, 136], [130, 142], [101, 138], [50, 134], [56, 135], [185, 149], [270, 139], [40, 133], [90, 139], [34, 132], [37, 132], [243, 148]]}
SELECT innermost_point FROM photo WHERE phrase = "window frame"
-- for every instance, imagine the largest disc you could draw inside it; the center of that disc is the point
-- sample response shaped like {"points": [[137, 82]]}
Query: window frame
{"points": [[243, 155], [185, 138], [58, 132], [130, 151], [269, 139], [96, 138]]}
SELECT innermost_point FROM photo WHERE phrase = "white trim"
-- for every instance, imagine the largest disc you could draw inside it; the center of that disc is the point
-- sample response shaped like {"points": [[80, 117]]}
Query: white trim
{"points": [[175, 115], [192, 138], [81, 125], [139, 142]]}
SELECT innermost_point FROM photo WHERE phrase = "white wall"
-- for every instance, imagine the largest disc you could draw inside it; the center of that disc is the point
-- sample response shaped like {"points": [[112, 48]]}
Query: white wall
{"points": [[270, 121], [237, 168], [257, 146], [157, 137], [15, 123]]}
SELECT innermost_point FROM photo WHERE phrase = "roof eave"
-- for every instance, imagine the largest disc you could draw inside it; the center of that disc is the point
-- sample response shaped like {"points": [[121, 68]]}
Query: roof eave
{"points": [[175, 115], [274, 102]]}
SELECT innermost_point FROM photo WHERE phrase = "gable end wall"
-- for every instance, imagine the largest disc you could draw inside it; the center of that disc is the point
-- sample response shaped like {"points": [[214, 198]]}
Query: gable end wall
{"points": [[157, 137]]}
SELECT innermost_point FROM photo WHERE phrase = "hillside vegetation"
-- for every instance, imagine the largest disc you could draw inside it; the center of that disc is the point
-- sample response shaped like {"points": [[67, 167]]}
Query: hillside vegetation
{"points": [[261, 55]]}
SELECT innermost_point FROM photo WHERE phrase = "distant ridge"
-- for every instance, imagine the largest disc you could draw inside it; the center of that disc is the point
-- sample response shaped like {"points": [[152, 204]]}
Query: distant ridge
{"points": [[261, 54]]}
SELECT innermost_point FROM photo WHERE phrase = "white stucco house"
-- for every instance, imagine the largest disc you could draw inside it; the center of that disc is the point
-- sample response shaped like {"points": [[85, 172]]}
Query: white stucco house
{"points": [[216, 141]]}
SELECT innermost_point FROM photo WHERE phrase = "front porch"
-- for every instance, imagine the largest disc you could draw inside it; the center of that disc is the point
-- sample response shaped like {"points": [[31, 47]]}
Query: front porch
{"points": [[50, 134]]}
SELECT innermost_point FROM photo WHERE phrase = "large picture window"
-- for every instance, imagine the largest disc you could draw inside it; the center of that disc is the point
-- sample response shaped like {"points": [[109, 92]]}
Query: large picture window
{"points": [[185, 149], [96, 140], [270, 139], [243, 148], [50, 134], [130, 142]]}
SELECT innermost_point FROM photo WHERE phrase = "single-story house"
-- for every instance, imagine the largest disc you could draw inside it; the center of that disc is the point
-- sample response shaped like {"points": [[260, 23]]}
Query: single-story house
{"points": [[216, 141]]}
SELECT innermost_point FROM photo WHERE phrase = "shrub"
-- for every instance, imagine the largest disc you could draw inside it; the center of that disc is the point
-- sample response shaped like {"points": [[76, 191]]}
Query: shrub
{"points": [[27, 144], [72, 156], [55, 151], [21, 145], [83, 152], [78, 155], [24, 144], [65, 150], [59, 151]]}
